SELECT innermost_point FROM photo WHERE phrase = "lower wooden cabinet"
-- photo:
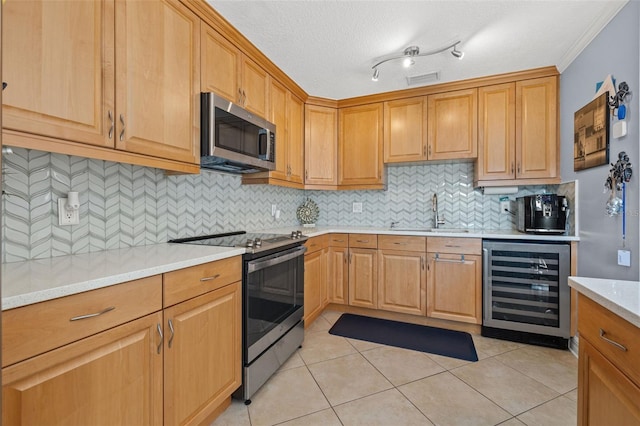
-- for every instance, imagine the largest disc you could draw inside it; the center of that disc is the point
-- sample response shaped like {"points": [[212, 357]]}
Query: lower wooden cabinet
{"points": [[402, 282], [315, 273], [202, 353], [454, 279], [338, 275], [606, 395], [363, 277], [113, 377]]}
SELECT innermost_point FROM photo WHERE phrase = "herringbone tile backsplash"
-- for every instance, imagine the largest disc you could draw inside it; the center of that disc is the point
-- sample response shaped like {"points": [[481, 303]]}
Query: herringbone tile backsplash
{"points": [[124, 205]]}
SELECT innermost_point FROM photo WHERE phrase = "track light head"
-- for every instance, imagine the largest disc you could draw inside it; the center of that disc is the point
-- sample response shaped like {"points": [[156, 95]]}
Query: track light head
{"points": [[376, 74], [458, 54]]}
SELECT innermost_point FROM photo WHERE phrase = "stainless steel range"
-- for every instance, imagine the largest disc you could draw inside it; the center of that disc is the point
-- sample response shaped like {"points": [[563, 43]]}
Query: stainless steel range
{"points": [[273, 298]]}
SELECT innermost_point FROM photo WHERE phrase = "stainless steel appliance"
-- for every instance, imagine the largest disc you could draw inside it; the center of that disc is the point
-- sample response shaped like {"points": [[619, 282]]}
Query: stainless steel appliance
{"points": [[273, 299], [542, 214], [234, 140], [525, 292]]}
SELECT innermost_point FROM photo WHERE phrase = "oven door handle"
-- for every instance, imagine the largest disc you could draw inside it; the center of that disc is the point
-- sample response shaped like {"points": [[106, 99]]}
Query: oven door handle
{"points": [[256, 265]]}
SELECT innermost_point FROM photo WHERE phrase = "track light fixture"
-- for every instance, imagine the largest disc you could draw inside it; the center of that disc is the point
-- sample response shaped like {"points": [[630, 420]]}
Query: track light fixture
{"points": [[412, 52]]}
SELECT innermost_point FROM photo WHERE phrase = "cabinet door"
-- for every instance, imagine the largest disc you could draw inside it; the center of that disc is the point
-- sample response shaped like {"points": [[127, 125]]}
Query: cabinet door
{"points": [[53, 55], [203, 354], [338, 280], [320, 145], [454, 287], [452, 128], [405, 136], [113, 377], [158, 79], [363, 278], [314, 278], [402, 284], [255, 88], [497, 132], [220, 65], [295, 139], [279, 116], [606, 396], [360, 145], [537, 128]]}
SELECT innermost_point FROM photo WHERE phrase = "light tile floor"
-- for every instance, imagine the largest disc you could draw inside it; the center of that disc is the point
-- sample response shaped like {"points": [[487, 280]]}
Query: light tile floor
{"points": [[336, 381]]}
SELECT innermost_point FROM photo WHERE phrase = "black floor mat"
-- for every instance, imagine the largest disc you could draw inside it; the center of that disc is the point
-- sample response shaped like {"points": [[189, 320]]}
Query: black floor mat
{"points": [[455, 344]]}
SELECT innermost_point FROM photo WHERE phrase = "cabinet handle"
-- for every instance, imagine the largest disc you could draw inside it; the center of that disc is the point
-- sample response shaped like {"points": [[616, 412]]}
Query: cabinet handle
{"points": [[362, 241], [350, 255], [4, 85], [306, 175], [518, 168], [338, 241], [240, 96], [96, 314], [209, 278], [345, 260], [424, 151], [429, 150], [422, 262], [401, 244], [244, 98], [451, 245], [172, 333], [161, 338], [614, 343], [113, 124], [512, 168], [123, 127], [437, 259]]}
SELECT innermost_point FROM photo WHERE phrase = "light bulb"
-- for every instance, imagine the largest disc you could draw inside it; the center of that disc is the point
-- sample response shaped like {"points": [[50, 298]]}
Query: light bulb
{"points": [[407, 62]]}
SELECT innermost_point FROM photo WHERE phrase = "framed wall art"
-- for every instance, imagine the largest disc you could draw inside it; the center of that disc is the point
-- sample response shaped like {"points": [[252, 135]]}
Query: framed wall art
{"points": [[591, 134]]}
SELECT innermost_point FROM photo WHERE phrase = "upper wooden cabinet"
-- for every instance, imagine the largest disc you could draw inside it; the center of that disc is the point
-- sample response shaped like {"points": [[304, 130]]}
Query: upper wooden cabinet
{"points": [[53, 55], [537, 128], [518, 133], [232, 75], [497, 132], [119, 75], [452, 130], [405, 137], [360, 146], [287, 113], [157, 79], [320, 146]]}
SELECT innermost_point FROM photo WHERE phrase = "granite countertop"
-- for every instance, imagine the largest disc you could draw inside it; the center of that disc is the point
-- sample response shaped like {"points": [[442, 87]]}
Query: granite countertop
{"points": [[620, 297], [33, 281]]}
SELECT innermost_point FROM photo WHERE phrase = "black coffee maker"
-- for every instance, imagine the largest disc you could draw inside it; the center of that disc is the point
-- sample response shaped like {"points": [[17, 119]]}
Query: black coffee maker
{"points": [[542, 214]]}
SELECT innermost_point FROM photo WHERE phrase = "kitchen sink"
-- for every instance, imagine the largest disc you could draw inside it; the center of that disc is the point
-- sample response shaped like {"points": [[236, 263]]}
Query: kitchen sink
{"points": [[434, 230]]}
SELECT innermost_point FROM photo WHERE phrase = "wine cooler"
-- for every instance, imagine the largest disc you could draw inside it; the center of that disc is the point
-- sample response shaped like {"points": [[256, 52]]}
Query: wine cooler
{"points": [[526, 296]]}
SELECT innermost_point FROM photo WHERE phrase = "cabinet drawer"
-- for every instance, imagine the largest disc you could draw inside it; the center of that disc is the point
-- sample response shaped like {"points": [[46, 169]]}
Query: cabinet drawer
{"points": [[592, 318], [402, 242], [338, 240], [34, 329], [316, 243], [363, 240], [454, 245], [190, 282]]}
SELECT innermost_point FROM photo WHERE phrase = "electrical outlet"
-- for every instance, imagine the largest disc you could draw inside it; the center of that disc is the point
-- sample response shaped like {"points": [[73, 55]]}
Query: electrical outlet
{"points": [[274, 209], [67, 216], [624, 257], [357, 207], [505, 206]]}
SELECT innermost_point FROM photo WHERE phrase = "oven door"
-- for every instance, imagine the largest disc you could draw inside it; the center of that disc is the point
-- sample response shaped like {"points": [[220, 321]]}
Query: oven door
{"points": [[274, 297]]}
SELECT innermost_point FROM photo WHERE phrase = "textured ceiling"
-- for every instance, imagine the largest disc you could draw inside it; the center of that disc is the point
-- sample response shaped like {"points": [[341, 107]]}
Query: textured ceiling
{"points": [[329, 47]]}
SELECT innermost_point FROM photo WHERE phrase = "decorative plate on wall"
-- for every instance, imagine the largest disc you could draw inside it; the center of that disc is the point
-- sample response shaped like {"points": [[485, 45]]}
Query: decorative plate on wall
{"points": [[308, 213]]}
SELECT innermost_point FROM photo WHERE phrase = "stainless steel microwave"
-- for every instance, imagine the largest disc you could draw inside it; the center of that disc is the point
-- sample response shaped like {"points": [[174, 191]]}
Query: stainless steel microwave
{"points": [[234, 140]]}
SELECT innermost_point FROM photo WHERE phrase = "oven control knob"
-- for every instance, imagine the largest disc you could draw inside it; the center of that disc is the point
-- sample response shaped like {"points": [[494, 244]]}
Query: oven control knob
{"points": [[294, 235], [298, 234], [257, 242], [249, 243]]}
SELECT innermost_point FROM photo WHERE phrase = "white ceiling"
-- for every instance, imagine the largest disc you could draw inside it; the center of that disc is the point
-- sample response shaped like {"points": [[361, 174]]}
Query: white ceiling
{"points": [[329, 46]]}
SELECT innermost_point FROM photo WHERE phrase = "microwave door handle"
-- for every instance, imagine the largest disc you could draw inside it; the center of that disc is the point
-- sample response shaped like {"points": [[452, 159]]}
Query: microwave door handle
{"points": [[253, 266], [263, 145]]}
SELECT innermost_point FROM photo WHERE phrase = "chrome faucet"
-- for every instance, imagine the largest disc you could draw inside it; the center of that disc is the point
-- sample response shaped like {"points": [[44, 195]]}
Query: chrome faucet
{"points": [[437, 221]]}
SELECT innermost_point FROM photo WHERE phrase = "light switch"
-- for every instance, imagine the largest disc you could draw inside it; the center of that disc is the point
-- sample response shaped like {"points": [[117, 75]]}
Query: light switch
{"points": [[357, 207]]}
